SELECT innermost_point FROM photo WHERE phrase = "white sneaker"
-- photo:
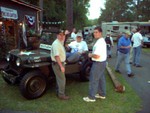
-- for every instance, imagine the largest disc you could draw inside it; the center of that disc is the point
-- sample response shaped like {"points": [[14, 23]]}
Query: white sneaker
{"points": [[87, 99], [99, 96]]}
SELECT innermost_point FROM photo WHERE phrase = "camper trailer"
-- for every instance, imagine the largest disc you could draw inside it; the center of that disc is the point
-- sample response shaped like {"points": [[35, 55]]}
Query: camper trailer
{"points": [[116, 27], [88, 30]]}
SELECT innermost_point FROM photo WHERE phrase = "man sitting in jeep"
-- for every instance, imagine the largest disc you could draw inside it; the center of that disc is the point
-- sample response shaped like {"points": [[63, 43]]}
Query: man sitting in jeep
{"points": [[76, 47]]}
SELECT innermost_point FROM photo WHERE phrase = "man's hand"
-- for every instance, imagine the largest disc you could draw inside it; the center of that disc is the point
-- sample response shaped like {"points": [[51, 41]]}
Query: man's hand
{"points": [[90, 55], [62, 69], [66, 32], [128, 46], [93, 56]]}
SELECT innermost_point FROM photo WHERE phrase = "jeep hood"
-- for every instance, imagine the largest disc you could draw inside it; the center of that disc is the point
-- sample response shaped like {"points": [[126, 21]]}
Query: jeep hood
{"points": [[35, 54]]}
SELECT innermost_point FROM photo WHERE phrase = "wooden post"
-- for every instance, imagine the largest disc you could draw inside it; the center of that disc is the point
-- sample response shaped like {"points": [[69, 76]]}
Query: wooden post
{"points": [[118, 86]]}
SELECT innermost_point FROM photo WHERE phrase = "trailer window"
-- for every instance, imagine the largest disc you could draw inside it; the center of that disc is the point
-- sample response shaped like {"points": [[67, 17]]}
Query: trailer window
{"points": [[126, 27], [115, 27]]}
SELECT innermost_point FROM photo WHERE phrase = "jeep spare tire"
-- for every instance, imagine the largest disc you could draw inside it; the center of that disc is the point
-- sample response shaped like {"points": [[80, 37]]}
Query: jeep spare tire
{"points": [[33, 85]]}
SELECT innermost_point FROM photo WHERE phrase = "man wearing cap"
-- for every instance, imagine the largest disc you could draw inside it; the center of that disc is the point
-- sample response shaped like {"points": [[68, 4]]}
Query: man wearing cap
{"points": [[137, 45], [77, 48], [58, 56], [124, 45]]}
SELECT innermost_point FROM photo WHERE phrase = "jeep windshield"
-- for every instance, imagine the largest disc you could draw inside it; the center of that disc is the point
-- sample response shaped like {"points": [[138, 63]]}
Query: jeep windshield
{"points": [[48, 37]]}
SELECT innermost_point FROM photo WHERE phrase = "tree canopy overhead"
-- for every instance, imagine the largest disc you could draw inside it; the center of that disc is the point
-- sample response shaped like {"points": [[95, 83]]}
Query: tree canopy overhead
{"points": [[55, 11], [115, 10], [125, 10]]}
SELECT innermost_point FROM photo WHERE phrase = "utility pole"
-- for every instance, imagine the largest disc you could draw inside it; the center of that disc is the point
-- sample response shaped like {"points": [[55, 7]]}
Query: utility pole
{"points": [[69, 14]]}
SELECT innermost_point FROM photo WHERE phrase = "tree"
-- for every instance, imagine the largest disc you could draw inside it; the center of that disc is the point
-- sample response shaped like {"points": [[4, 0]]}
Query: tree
{"points": [[55, 10], [80, 10], [142, 10], [117, 10], [125, 10]]}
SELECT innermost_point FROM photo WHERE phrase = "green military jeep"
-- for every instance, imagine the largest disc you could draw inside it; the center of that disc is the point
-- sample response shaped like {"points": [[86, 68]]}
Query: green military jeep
{"points": [[32, 70]]}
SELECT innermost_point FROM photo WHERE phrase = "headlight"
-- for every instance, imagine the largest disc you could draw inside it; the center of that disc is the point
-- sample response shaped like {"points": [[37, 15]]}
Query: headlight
{"points": [[18, 62], [8, 57]]}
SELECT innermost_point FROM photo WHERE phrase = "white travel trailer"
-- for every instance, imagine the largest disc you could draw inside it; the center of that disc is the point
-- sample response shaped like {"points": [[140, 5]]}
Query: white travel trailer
{"points": [[88, 30], [114, 28]]}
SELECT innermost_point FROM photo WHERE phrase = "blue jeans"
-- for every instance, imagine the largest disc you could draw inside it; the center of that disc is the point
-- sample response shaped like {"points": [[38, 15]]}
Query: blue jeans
{"points": [[97, 83], [73, 57], [136, 55], [120, 58]]}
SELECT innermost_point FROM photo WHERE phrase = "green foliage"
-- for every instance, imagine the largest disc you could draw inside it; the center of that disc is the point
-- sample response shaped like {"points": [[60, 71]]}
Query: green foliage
{"points": [[117, 10], [143, 9], [80, 9], [127, 102], [125, 10], [55, 10]]}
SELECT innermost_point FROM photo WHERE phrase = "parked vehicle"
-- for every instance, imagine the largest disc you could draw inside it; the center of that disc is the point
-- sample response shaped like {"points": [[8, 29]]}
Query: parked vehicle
{"points": [[116, 27], [146, 40], [32, 69], [88, 31]]}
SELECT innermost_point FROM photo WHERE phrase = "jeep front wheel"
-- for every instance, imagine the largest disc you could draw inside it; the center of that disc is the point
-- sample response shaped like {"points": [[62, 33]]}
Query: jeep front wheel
{"points": [[33, 85], [85, 73]]}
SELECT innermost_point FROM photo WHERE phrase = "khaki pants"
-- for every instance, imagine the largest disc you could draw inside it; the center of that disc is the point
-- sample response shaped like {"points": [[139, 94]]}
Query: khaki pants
{"points": [[131, 54], [60, 79]]}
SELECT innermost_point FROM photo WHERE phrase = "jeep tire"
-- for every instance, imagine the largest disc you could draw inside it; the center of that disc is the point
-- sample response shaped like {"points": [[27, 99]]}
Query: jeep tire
{"points": [[33, 85], [85, 73]]}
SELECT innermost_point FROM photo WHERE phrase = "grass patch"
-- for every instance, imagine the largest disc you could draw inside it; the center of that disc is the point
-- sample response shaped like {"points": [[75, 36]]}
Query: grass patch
{"points": [[127, 102], [146, 50]]}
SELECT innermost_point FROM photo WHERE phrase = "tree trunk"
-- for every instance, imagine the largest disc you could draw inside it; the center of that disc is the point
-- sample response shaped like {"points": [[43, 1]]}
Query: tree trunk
{"points": [[69, 8]]}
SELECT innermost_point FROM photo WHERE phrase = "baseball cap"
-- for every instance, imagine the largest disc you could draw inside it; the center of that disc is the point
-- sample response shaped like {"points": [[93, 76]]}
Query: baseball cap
{"points": [[108, 33], [79, 35], [127, 32]]}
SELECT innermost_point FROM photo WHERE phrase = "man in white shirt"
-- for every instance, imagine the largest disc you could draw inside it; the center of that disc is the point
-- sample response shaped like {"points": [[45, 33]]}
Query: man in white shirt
{"points": [[97, 83], [73, 34], [77, 48], [137, 45]]}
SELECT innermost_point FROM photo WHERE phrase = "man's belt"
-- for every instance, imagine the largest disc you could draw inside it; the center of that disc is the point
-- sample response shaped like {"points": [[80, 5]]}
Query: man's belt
{"points": [[53, 62]]}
